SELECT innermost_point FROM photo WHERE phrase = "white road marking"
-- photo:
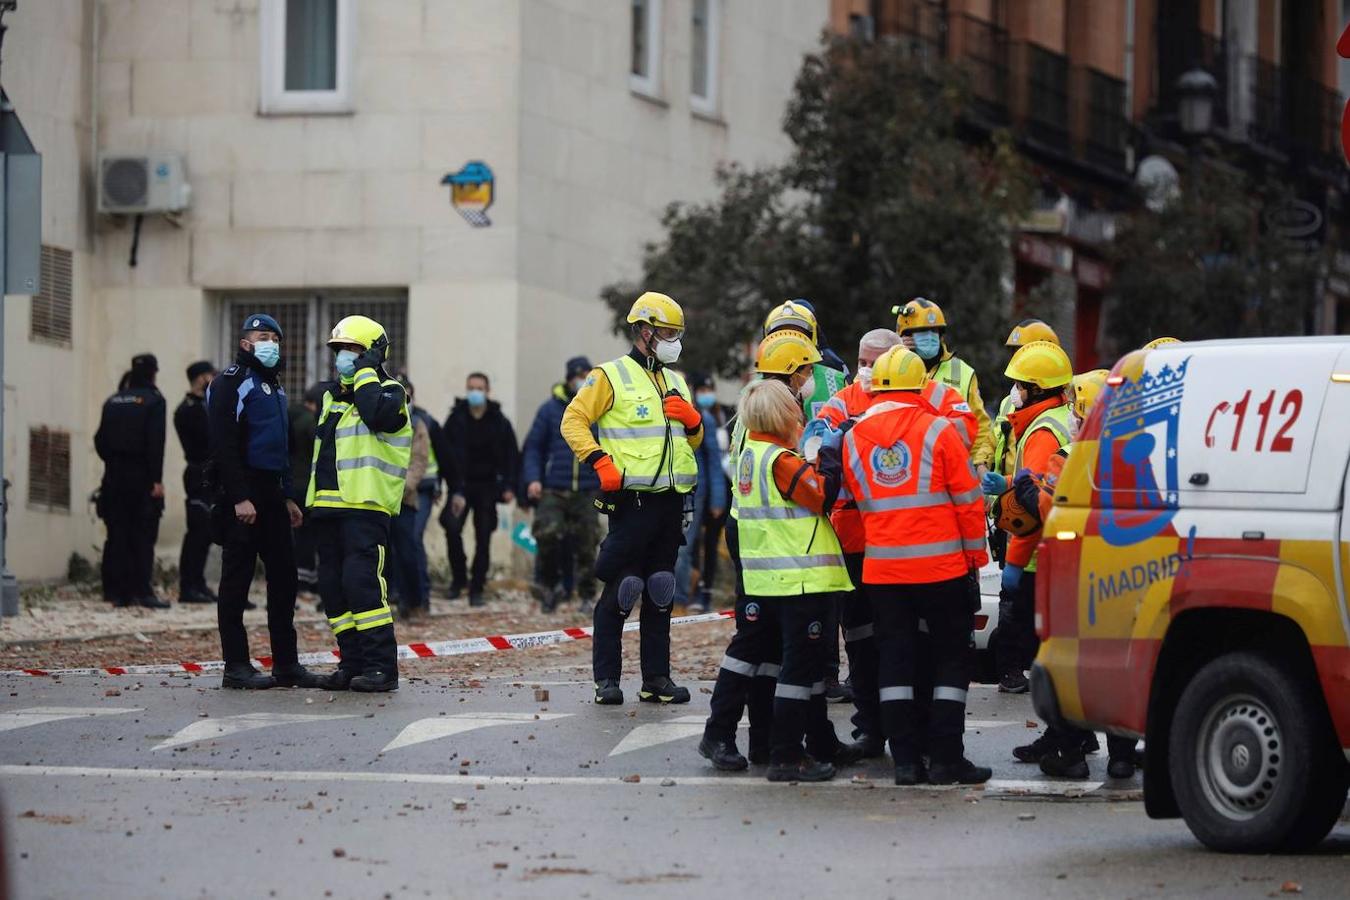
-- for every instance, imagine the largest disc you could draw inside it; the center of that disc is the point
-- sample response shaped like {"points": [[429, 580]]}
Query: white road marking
{"points": [[40, 715], [994, 788], [437, 727], [988, 723], [207, 729], [676, 729]]}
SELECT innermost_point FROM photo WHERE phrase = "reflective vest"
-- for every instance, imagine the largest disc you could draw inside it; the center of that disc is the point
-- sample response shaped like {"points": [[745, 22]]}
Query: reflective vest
{"points": [[914, 534], [1056, 421], [828, 383], [953, 407], [652, 452], [954, 373], [1002, 436], [433, 472], [371, 466], [849, 403], [785, 548]]}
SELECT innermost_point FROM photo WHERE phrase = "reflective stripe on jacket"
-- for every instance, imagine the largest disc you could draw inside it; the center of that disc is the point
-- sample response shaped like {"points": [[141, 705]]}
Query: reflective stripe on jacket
{"points": [[652, 452], [355, 467], [785, 549]]}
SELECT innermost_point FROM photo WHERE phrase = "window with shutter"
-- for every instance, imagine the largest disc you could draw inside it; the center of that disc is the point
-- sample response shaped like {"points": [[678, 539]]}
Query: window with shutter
{"points": [[51, 319], [49, 469]]}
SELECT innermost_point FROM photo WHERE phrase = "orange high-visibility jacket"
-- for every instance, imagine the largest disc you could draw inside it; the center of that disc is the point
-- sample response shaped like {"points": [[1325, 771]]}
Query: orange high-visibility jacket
{"points": [[852, 402], [922, 509]]}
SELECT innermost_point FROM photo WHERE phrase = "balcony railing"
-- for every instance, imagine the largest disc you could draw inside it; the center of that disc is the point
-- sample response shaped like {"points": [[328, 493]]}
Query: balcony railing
{"points": [[1104, 142], [1269, 110], [984, 54], [1179, 51], [919, 25], [1047, 112]]}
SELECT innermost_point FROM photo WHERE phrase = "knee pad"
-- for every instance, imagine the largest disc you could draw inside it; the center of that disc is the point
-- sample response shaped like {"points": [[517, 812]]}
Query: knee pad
{"points": [[661, 588], [629, 593]]}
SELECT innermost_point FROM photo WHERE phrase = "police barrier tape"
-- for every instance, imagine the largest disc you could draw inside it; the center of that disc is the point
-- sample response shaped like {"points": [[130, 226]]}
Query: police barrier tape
{"points": [[461, 647]]}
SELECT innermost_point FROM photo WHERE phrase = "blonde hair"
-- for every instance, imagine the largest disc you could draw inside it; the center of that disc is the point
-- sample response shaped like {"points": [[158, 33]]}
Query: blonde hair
{"points": [[768, 406]]}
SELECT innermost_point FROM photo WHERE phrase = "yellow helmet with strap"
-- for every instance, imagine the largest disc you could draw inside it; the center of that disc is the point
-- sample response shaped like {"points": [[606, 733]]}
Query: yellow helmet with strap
{"points": [[1041, 363], [1087, 387], [1159, 342], [898, 369], [1028, 330], [362, 331], [793, 314], [784, 352], [657, 310], [918, 315]]}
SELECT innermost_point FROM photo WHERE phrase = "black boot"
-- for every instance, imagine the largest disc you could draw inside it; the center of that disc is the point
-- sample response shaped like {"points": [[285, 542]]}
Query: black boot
{"points": [[375, 682], [963, 771], [339, 679], [867, 747], [1065, 764], [150, 601], [807, 769], [723, 755], [297, 676], [662, 690], [910, 774], [245, 677], [1033, 752], [1120, 769], [608, 692]]}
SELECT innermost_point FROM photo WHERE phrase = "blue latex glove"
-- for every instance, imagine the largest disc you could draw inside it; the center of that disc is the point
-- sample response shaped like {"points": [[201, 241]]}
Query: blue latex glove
{"points": [[815, 428], [832, 438], [1012, 577], [993, 483]]}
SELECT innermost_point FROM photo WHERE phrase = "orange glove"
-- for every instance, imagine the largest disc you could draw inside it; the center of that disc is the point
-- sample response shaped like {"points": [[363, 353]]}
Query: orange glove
{"points": [[611, 479], [682, 411]]}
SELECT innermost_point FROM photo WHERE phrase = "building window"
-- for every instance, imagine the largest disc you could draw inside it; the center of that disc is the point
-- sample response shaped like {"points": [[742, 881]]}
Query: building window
{"points": [[306, 56], [49, 469], [645, 71], [705, 23], [51, 311], [306, 319]]}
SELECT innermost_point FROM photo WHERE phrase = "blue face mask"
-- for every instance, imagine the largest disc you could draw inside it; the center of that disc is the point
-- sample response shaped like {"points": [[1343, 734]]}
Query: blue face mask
{"points": [[346, 363], [927, 344], [267, 352], [706, 401], [476, 397]]}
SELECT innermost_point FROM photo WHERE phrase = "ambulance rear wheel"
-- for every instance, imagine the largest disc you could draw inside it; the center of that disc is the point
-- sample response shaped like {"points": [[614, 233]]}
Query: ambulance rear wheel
{"points": [[1250, 758]]}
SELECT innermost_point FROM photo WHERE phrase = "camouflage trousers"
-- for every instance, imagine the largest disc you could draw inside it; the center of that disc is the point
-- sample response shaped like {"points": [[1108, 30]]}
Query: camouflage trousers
{"points": [[567, 528]]}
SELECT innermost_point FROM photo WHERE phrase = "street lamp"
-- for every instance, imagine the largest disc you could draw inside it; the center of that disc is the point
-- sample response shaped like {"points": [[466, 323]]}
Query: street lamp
{"points": [[1195, 106]]}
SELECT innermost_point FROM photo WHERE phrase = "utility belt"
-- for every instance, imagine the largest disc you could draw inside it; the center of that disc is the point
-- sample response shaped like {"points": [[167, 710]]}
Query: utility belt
{"points": [[611, 502]]}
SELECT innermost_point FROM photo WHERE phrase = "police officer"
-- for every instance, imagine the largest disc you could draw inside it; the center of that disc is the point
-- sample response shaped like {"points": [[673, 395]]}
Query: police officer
{"points": [[1041, 373], [190, 421], [910, 474], [130, 441], [246, 407], [648, 431], [362, 449]]}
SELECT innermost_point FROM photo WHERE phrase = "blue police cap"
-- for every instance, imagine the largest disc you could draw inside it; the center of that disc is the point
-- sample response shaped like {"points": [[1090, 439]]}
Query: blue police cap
{"points": [[261, 322]]}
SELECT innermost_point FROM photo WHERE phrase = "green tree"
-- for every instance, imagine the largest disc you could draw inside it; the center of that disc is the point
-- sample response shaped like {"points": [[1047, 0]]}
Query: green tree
{"points": [[1205, 264], [879, 201]]}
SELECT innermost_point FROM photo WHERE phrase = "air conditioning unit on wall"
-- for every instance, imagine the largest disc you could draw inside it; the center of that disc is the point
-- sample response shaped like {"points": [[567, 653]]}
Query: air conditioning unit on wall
{"points": [[142, 183]]}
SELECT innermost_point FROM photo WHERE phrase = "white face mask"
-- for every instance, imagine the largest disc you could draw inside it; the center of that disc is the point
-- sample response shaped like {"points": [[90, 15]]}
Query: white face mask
{"points": [[1017, 397], [668, 352], [864, 378], [1075, 425], [808, 388]]}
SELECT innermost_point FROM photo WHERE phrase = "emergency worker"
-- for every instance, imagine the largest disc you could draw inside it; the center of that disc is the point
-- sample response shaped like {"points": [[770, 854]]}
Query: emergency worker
{"points": [[648, 430], [751, 666], [247, 410], [362, 450], [923, 329], [130, 441], [194, 434], [923, 520], [1024, 332], [830, 375], [1041, 375]]}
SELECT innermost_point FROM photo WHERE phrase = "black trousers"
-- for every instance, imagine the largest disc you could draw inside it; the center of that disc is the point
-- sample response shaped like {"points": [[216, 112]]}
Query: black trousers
{"points": [[1017, 642], [353, 546], [748, 674], [713, 527], [860, 643], [132, 518], [306, 554], [268, 539], [645, 535], [799, 697], [197, 538], [945, 607], [481, 502]]}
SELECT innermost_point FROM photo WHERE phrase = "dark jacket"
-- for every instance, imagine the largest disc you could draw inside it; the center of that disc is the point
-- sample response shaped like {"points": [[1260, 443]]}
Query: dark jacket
{"points": [[301, 437], [189, 420], [250, 430], [445, 456], [130, 436], [484, 449], [547, 458], [712, 481]]}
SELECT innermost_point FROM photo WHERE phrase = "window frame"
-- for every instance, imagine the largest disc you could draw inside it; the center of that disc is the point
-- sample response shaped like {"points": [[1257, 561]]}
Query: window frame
{"points": [[648, 85], [274, 99], [706, 104]]}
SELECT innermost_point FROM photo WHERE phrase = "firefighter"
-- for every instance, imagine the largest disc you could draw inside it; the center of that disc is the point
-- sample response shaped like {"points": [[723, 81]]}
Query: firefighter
{"points": [[1041, 374], [923, 328], [830, 374], [751, 666], [362, 449], [923, 519], [1024, 332], [648, 431]]}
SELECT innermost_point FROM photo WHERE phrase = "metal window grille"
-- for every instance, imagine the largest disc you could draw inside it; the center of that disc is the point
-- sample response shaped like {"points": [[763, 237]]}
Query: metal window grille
{"points": [[49, 469], [1048, 113], [52, 304]]}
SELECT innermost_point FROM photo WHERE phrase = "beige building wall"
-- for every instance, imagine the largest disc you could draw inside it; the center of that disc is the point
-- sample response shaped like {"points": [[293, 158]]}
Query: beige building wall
{"points": [[539, 89]]}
